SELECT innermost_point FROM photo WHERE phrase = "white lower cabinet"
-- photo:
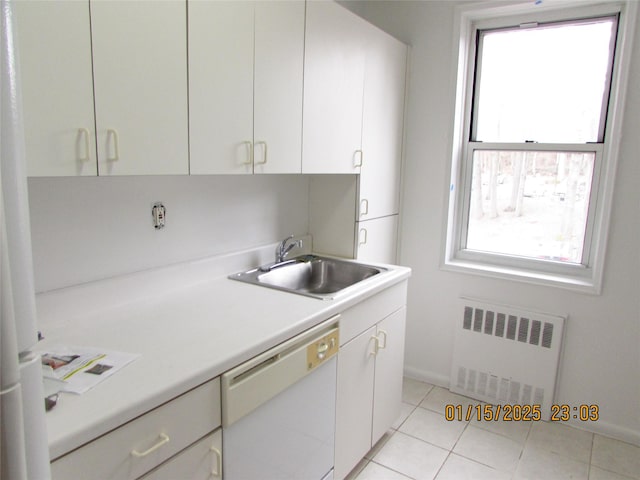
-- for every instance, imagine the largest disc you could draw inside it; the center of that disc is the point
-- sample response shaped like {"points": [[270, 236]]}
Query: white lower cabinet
{"points": [[201, 461], [369, 389], [182, 438], [387, 391], [354, 408], [139, 446]]}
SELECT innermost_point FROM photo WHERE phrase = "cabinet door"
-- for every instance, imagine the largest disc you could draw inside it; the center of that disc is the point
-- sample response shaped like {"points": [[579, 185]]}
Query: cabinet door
{"points": [[377, 239], [387, 395], [333, 89], [54, 50], [201, 461], [221, 40], [354, 402], [140, 78], [382, 125], [279, 53]]}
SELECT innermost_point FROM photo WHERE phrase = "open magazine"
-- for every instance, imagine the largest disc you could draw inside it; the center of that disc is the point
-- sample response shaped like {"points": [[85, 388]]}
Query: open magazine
{"points": [[81, 368]]}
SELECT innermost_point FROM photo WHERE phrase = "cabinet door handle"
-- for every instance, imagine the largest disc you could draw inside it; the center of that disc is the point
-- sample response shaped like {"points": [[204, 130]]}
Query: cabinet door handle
{"points": [[357, 158], [376, 345], [249, 159], [382, 334], [216, 467], [362, 236], [264, 152], [163, 440], [364, 207], [112, 137], [82, 139]]}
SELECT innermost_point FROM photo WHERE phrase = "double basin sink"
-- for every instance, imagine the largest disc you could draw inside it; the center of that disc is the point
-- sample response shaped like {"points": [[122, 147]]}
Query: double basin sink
{"points": [[310, 275]]}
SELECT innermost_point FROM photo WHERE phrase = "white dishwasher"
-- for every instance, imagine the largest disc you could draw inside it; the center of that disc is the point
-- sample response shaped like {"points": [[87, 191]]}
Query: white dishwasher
{"points": [[278, 410]]}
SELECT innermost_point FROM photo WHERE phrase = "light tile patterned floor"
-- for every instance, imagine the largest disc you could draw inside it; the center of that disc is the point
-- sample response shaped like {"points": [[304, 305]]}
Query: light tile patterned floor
{"points": [[422, 445]]}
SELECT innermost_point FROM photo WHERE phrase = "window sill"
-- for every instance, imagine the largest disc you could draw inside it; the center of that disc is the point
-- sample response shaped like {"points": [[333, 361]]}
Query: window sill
{"points": [[586, 285]]}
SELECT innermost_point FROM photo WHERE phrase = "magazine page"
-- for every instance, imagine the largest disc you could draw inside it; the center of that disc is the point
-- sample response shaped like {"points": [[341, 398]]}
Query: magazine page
{"points": [[82, 368]]}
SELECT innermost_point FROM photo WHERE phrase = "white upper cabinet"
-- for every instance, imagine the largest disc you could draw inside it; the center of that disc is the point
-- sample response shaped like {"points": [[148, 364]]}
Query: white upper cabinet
{"points": [[137, 123], [377, 240], [54, 53], [140, 79], [245, 86], [221, 87], [382, 125], [279, 57], [109, 88], [335, 51]]}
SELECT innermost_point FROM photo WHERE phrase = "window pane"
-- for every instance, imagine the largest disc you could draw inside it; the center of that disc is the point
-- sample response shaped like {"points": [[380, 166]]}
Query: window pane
{"points": [[530, 204], [546, 84]]}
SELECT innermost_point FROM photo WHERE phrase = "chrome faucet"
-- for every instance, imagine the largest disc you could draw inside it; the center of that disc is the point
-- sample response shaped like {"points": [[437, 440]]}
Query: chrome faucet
{"points": [[285, 247]]}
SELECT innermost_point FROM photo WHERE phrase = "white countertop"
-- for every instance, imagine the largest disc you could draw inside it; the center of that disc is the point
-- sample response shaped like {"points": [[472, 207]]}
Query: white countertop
{"points": [[190, 323]]}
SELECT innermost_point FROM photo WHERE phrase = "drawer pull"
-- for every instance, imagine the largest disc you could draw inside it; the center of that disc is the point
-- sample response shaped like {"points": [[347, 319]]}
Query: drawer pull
{"points": [[216, 468], [163, 439]]}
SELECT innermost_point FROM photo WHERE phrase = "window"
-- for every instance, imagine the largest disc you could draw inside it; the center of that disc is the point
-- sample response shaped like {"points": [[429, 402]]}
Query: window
{"points": [[539, 102]]}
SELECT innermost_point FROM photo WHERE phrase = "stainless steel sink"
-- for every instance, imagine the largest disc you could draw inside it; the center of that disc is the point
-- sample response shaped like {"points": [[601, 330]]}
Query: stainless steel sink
{"points": [[310, 275]]}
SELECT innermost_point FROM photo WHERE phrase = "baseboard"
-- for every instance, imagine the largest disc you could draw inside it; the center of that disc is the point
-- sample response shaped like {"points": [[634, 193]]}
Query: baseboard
{"points": [[601, 428], [428, 377], [608, 430]]}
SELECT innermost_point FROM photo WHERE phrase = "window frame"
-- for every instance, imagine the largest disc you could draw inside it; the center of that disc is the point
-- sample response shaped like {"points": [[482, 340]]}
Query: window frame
{"points": [[585, 277]]}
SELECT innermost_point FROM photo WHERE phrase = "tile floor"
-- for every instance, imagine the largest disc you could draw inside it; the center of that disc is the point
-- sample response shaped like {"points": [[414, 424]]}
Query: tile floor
{"points": [[424, 446]]}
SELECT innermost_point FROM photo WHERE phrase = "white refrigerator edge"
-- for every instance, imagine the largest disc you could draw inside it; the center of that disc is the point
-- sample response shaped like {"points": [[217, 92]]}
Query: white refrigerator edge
{"points": [[23, 439]]}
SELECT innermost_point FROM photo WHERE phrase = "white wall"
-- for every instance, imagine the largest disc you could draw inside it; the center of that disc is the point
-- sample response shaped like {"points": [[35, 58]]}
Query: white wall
{"points": [[601, 362], [86, 229]]}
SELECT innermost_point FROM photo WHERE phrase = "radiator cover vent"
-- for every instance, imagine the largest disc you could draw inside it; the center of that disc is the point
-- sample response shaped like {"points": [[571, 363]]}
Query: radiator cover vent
{"points": [[506, 355]]}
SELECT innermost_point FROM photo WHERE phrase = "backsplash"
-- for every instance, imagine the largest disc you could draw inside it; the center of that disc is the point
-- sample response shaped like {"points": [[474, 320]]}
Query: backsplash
{"points": [[86, 229]]}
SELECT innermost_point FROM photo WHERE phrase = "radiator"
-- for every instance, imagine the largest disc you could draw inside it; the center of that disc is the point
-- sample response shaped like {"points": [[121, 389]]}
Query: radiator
{"points": [[506, 355]]}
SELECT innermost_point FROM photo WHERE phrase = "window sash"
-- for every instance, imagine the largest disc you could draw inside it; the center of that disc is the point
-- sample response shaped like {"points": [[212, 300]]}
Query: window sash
{"points": [[476, 62], [512, 261]]}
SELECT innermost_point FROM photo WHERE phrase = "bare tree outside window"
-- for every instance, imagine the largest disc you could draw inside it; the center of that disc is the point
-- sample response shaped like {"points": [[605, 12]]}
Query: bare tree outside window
{"points": [[531, 208]]}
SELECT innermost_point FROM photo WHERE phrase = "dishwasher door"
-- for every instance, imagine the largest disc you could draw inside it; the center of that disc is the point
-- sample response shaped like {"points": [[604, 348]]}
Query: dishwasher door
{"points": [[279, 411]]}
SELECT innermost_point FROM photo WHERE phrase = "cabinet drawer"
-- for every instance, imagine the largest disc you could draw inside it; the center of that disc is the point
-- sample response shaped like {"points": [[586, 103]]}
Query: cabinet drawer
{"points": [[364, 315], [143, 443], [201, 461]]}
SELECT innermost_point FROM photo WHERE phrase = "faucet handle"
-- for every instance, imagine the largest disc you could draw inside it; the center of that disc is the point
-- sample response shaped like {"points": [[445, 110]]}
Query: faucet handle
{"points": [[282, 249], [283, 243]]}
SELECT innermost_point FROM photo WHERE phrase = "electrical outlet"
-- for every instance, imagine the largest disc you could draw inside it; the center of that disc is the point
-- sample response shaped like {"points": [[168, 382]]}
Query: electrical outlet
{"points": [[158, 213]]}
